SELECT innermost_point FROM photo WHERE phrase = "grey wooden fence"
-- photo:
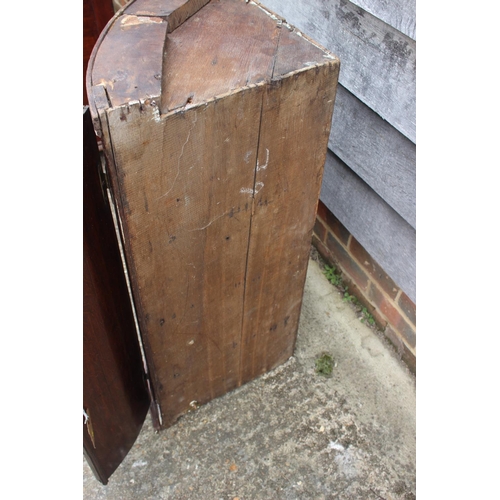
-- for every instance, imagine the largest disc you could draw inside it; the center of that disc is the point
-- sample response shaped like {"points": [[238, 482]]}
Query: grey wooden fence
{"points": [[369, 180]]}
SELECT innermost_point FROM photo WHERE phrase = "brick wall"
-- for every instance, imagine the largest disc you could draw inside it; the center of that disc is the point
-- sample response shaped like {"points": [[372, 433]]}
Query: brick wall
{"points": [[392, 310]]}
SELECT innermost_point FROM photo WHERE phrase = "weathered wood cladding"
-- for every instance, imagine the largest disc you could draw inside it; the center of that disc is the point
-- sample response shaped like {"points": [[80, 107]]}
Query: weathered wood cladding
{"points": [[372, 187], [399, 14], [378, 61], [384, 234], [377, 152]]}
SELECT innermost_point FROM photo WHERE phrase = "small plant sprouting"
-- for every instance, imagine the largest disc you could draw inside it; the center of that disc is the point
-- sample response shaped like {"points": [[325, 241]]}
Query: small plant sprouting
{"points": [[350, 298], [367, 316], [332, 276], [324, 365]]}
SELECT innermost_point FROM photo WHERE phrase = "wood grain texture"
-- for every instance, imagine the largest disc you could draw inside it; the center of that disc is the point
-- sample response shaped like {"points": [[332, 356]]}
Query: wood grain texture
{"points": [[175, 12], [187, 169], [400, 14], [385, 235], [378, 61], [231, 51], [384, 158], [187, 224], [128, 41], [114, 392], [292, 148]]}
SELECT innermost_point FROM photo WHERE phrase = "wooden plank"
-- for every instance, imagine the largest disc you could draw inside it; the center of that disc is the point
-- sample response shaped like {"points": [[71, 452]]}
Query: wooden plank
{"points": [[133, 49], [378, 61], [400, 14], [187, 225], [292, 149], [232, 51], [115, 398], [386, 236], [377, 152], [173, 11]]}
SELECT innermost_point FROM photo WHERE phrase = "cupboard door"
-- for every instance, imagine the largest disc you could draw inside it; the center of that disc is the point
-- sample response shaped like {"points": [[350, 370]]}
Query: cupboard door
{"points": [[115, 396]]}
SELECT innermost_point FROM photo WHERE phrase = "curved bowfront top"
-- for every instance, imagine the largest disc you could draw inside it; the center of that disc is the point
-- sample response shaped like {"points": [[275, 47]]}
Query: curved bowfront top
{"points": [[182, 53]]}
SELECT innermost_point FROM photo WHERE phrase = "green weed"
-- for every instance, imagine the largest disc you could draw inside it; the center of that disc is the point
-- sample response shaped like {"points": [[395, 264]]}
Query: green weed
{"points": [[324, 365]]}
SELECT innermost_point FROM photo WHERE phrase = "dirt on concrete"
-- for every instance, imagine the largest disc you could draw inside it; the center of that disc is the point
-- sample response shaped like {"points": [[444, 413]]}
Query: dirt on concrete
{"points": [[293, 433]]}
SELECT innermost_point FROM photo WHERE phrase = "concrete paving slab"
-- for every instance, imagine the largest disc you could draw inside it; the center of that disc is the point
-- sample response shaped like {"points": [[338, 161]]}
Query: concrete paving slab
{"points": [[292, 433]]}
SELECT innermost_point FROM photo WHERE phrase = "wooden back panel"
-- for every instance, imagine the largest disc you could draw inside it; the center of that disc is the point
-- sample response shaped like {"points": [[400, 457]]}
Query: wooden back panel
{"points": [[216, 177]]}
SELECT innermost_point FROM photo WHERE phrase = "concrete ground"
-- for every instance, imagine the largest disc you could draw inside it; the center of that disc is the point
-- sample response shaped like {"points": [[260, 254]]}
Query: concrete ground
{"points": [[292, 433]]}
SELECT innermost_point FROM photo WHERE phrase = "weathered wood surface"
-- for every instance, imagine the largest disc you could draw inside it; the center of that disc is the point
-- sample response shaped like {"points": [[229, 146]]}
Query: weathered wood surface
{"points": [[295, 128], [384, 158], [186, 226], [125, 35], [400, 14], [378, 61], [241, 51], [175, 12], [115, 398], [386, 236], [217, 182]]}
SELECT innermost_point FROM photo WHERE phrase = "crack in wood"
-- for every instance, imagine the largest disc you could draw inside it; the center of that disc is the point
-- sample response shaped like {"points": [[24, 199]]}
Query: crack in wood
{"points": [[180, 156]]}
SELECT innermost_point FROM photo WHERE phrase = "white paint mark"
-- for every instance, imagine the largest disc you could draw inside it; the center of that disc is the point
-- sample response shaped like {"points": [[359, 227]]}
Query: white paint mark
{"points": [[85, 416], [263, 167], [105, 83], [258, 187], [139, 463], [333, 445], [210, 223], [247, 156], [156, 112], [271, 15], [127, 21], [191, 342], [159, 413]]}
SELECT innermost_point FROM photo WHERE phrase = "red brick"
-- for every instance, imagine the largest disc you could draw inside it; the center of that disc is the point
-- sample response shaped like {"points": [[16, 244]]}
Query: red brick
{"points": [[323, 251], [332, 223], [322, 210], [319, 230], [394, 317], [408, 332], [373, 268], [408, 307], [379, 318], [383, 303], [402, 349], [344, 260]]}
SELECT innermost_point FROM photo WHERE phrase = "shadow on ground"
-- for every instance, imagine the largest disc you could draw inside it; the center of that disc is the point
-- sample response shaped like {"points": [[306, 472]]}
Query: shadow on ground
{"points": [[292, 433]]}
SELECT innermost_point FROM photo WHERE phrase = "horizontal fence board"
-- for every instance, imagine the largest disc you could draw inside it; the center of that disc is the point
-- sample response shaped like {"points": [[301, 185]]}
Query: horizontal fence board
{"points": [[400, 14], [378, 62], [376, 151], [385, 235]]}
